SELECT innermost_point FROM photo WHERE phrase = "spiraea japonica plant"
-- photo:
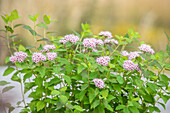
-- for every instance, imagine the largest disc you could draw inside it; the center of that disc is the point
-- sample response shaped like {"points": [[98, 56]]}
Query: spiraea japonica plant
{"points": [[88, 73]]}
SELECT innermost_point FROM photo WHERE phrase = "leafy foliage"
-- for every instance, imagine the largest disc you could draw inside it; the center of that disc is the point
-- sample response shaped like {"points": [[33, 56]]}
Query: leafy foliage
{"points": [[66, 83]]}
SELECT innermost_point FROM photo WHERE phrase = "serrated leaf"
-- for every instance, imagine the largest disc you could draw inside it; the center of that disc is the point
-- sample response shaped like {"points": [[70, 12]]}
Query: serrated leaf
{"points": [[55, 92], [133, 109], [41, 71], [27, 75], [67, 79], [15, 77], [40, 105], [78, 108], [104, 93], [7, 88], [80, 68], [120, 79], [63, 99], [95, 103], [3, 83], [8, 71], [91, 94], [120, 107]]}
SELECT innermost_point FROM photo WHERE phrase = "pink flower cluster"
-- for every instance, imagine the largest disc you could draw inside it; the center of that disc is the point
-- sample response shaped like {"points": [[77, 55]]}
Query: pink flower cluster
{"points": [[111, 41], [89, 42], [106, 34], [37, 57], [146, 48], [18, 56], [133, 55], [103, 60], [124, 53], [48, 47], [51, 56], [130, 66], [98, 83], [92, 42], [72, 38]]}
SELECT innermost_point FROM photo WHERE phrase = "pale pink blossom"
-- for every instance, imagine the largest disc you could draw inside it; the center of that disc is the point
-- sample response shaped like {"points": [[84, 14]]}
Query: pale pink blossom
{"points": [[37, 57], [124, 53], [146, 48], [106, 34], [47, 48], [98, 83], [18, 56], [51, 56], [130, 66]]}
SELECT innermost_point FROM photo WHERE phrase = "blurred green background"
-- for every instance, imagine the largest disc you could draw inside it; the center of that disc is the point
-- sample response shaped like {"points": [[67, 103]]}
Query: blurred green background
{"points": [[148, 17]]}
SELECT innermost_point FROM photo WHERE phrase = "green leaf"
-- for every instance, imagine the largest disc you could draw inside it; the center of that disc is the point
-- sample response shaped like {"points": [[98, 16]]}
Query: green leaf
{"points": [[55, 92], [15, 77], [8, 71], [120, 79], [100, 109], [80, 68], [104, 93], [31, 30], [57, 70], [3, 83], [7, 88], [46, 19], [133, 109], [136, 99], [40, 105], [9, 29], [41, 71], [95, 103], [120, 107], [14, 15], [78, 108], [67, 79], [63, 99], [21, 48], [126, 110], [69, 68], [42, 25], [32, 18], [91, 94], [5, 19], [27, 75], [17, 25], [167, 36], [82, 94], [83, 87], [110, 97], [152, 86]]}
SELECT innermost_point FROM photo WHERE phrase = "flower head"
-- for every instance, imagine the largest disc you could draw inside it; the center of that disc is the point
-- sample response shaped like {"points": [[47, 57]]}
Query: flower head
{"points": [[124, 53], [72, 38], [133, 55], [18, 56], [48, 47], [111, 41], [89, 42], [146, 48], [51, 56], [130, 66], [106, 34], [98, 83], [13, 59], [37, 57], [103, 60]]}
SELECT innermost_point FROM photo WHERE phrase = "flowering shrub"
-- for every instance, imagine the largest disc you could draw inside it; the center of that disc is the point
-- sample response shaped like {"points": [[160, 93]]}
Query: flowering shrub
{"points": [[89, 73]]}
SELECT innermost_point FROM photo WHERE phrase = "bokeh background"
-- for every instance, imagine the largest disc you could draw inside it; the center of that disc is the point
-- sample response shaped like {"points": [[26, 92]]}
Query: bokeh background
{"points": [[148, 17]]}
